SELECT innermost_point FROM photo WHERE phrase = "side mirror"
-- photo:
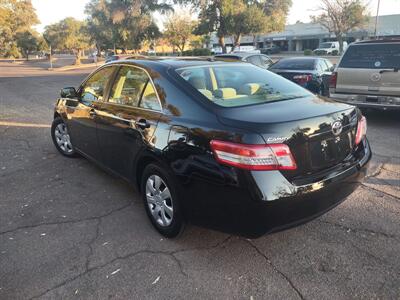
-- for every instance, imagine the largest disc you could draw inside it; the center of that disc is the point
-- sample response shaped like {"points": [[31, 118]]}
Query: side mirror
{"points": [[68, 92], [333, 68]]}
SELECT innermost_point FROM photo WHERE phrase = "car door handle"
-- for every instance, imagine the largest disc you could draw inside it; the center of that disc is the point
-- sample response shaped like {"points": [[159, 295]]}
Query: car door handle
{"points": [[142, 123]]}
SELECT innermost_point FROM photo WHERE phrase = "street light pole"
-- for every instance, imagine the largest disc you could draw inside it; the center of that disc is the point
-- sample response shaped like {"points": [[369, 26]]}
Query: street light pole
{"points": [[376, 18]]}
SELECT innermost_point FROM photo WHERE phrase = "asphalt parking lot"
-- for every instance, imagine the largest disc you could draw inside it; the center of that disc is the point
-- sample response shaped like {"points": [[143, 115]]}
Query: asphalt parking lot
{"points": [[69, 230]]}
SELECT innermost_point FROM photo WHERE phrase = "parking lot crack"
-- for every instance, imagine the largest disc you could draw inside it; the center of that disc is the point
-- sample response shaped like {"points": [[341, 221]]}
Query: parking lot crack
{"points": [[66, 221], [282, 274], [379, 191], [364, 230], [91, 242]]}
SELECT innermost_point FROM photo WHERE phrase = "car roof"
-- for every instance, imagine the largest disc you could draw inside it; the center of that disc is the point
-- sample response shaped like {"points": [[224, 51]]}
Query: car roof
{"points": [[172, 62], [238, 54], [378, 41]]}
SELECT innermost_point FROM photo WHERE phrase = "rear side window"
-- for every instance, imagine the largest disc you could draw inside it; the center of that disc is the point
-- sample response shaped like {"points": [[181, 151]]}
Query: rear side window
{"points": [[232, 85], [370, 56]]}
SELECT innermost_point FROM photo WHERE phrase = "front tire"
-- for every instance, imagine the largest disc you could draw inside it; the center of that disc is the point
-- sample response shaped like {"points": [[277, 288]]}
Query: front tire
{"points": [[161, 199], [61, 138]]}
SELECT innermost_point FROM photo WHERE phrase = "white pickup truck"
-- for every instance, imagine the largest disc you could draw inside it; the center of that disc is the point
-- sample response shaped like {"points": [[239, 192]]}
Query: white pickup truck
{"points": [[329, 48]]}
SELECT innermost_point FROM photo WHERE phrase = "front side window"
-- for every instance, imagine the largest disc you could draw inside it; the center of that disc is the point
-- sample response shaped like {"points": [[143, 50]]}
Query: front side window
{"points": [[133, 87], [372, 56], [94, 88], [233, 85]]}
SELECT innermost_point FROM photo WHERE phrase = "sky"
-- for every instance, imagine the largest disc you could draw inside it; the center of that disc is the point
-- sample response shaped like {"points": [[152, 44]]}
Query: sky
{"points": [[51, 11]]}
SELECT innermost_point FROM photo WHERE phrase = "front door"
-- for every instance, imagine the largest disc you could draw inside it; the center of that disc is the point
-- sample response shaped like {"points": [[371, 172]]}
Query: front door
{"points": [[82, 115], [127, 121]]}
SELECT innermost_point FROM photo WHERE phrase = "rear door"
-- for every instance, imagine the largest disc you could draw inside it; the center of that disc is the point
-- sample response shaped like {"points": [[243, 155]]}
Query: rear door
{"points": [[128, 119], [370, 69]]}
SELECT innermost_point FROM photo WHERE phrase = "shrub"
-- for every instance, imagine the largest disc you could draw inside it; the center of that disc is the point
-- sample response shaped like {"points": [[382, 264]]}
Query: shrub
{"points": [[201, 52], [335, 52], [308, 52]]}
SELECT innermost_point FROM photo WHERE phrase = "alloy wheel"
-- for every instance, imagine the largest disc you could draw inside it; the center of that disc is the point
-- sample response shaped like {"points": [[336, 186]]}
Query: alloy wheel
{"points": [[159, 200], [62, 138]]}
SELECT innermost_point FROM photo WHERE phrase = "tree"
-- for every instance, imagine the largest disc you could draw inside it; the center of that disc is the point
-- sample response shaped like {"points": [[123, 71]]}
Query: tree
{"points": [[68, 34], [16, 17], [27, 41], [239, 17], [123, 24], [341, 16], [178, 30]]}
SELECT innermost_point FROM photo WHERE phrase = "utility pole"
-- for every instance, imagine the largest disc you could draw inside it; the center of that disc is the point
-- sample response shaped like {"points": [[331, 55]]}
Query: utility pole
{"points": [[376, 18], [51, 59]]}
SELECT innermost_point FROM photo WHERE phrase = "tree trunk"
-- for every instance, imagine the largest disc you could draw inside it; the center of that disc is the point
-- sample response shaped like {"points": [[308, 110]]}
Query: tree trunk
{"points": [[98, 50], [221, 41], [340, 40], [236, 41], [78, 57]]}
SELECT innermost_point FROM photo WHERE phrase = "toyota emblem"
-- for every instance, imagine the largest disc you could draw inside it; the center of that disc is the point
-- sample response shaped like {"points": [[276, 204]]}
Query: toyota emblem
{"points": [[337, 128]]}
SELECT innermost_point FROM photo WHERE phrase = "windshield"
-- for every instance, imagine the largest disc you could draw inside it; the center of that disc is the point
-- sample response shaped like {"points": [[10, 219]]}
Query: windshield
{"points": [[378, 56], [294, 64], [325, 45], [233, 85]]}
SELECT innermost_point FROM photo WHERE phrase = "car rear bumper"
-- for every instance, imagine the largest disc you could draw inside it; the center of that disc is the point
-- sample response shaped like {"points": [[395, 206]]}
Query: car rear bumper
{"points": [[368, 101], [257, 204]]}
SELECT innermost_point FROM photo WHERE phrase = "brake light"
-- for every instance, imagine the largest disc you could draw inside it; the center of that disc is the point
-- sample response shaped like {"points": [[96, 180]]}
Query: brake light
{"points": [[254, 157], [302, 78], [333, 80], [361, 130]]}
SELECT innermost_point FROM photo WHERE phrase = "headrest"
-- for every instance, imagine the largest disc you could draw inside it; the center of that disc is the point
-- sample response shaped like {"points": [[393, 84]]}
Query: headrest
{"points": [[197, 82], [225, 93], [250, 88], [206, 93]]}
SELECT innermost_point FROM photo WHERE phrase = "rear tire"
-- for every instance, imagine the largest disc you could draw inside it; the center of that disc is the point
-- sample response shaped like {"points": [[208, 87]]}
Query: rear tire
{"points": [[161, 199], [61, 138]]}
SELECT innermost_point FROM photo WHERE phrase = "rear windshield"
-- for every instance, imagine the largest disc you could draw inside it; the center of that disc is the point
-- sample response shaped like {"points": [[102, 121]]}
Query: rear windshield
{"points": [[294, 64], [325, 45], [379, 56], [233, 85]]}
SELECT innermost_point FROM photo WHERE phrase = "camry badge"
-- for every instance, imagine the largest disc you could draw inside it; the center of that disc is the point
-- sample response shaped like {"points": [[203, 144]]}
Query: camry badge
{"points": [[337, 128]]}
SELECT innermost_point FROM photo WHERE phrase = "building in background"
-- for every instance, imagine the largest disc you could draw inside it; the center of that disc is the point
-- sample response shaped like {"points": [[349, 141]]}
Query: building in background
{"points": [[301, 36]]}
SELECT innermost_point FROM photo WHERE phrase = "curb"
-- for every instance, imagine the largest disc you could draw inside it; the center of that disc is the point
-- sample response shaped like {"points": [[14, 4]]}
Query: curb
{"points": [[75, 67]]}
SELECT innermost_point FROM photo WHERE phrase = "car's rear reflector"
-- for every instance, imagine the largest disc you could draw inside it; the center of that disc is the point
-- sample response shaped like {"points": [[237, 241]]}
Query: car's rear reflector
{"points": [[361, 130], [254, 157], [333, 80]]}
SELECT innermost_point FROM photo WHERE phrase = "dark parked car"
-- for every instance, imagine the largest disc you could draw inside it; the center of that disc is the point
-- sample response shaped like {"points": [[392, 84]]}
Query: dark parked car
{"points": [[215, 141], [273, 49], [257, 59], [312, 73]]}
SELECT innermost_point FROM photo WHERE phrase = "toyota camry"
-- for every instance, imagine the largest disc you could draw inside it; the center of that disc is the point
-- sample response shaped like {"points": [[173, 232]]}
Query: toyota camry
{"points": [[222, 140]]}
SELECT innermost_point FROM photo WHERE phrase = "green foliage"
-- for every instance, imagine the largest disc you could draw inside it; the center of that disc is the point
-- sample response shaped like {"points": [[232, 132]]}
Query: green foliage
{"points": [[123, 24], [335, 52], [201, 52], [178, 30], [27, 42], [308, 52], [68, 34], [240, 17], [16, 17], [341, 16]]}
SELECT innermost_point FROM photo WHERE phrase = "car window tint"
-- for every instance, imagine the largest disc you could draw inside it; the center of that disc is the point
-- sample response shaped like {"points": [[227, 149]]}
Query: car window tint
{"points": [[255, 60], [149, 98], [370, 56], [94, 88], [321, 66], [295, 64], [128, 86], [265, 61], [242, 84]]}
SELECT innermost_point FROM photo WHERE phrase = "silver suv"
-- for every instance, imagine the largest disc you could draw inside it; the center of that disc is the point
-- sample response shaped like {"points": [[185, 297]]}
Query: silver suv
{"points": [[368, 75]]}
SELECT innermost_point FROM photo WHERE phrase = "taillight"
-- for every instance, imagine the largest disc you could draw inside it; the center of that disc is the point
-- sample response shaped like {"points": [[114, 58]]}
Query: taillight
{"points": [[333, 80], [254, 157], [361, 130], [302, 78]]}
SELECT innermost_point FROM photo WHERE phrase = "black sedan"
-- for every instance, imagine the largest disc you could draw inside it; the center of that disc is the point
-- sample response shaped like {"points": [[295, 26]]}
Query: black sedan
{"points": [[214, 141], [312, 73]]}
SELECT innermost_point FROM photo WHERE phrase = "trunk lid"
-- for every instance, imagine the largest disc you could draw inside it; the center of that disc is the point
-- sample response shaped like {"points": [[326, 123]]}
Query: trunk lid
{"points": [[305, 125]]}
